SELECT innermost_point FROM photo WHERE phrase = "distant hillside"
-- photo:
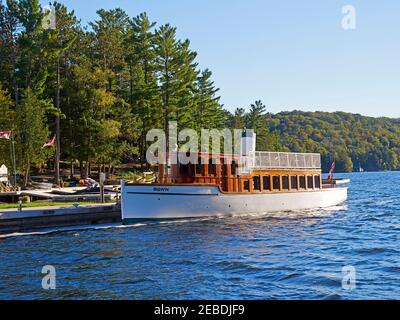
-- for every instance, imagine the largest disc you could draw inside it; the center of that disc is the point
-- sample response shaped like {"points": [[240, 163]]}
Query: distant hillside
{"points": [[373, 143]]}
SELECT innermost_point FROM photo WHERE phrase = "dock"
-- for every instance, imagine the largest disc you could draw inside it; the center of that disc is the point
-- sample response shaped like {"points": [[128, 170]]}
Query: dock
{"points": [[70, 194], [12, 220]]}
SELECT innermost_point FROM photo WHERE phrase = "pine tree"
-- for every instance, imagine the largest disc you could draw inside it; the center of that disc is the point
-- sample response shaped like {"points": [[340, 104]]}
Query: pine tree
{"points": [[238, 120], [144, 96], [70, 105], [187, 74], [9, 49], [254, 118], [176, 77], [7, 123], [63, 37], [36, 45], [31, 133], [255, 121], [109, 33], [208, 111]]}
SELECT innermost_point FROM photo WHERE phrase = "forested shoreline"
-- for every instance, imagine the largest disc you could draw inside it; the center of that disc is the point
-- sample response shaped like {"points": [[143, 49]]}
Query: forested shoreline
{"points": [[105, 85], [352, 139]]}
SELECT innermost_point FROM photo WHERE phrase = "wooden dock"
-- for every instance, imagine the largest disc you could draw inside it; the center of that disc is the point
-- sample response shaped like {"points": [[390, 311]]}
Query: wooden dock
{"points": [[12, 220], [59, 195]]}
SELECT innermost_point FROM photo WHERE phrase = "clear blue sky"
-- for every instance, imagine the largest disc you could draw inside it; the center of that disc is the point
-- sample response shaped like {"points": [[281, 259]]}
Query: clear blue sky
{"points": [[291, 54]]}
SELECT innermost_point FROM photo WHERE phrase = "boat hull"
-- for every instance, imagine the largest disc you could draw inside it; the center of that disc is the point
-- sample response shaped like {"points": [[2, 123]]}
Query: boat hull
{"points": [[160, 202]]}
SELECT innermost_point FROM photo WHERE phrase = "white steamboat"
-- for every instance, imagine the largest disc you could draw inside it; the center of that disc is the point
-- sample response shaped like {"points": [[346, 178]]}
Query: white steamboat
{"points": [[254, 182]]}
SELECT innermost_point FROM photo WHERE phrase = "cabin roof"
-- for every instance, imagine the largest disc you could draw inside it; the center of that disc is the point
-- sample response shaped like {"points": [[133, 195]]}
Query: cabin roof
{"points": [[265, 160], [284, 160]]}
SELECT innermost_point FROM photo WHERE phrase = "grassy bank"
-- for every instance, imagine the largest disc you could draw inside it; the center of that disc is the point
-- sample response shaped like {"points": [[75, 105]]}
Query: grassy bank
{"points": [[41, 204]]}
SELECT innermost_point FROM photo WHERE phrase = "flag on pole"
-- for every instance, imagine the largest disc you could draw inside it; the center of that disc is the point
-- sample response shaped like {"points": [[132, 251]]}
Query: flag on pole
{"points": [[332, 170], [5, 135], [50, 143]]}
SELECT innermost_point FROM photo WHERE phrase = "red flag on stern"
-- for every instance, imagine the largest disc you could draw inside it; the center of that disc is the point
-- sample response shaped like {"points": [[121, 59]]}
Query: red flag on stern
{"points": [[50, 143], [5, 135], [332, 169]]}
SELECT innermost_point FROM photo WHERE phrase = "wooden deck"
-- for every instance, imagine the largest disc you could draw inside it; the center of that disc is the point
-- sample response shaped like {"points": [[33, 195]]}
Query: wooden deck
{"points": [[12, 220]]}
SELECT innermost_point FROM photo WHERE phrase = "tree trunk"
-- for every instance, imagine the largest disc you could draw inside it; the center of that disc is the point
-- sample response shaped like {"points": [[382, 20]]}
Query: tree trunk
{"points": [[82, 173], [72, 173], [26, 177], [141, 148], [131, 86], [58, 145], [87, 169]]}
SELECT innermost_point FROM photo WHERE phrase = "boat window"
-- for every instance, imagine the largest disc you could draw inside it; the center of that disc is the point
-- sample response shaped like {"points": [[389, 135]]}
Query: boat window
{"points": [[317, 182], [211, 167], [256, 183], [246, 185], [285, 182], [310, 182], [276, 182], [233, 168], [302, 182], [293, 182], [266, 182], [199, 167], [224, 172], [184, 170]]}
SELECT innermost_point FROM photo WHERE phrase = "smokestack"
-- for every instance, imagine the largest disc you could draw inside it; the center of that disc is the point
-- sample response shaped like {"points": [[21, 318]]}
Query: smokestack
{"points": [[248, 145]]}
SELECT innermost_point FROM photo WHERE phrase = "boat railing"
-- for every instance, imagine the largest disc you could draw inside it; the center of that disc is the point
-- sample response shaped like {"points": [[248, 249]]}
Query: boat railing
{"points": [[281, 160]]}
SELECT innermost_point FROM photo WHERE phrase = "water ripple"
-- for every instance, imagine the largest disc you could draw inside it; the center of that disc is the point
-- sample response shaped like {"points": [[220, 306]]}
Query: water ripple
{"points": [[286, 255]]}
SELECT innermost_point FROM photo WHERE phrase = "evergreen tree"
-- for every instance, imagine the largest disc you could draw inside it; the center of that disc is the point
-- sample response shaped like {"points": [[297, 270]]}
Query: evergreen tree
{"points": [[254, 118], [176, 77], [144, 96], [109, 33], [31, 133], [238, 120], [186, 88], [36, 45], [255, 121], [208, 111], [7, 123], [63, 37], [9, 49]]}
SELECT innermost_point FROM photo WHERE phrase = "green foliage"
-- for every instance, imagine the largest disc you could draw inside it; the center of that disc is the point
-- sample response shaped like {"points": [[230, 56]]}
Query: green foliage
{"points": [[208, 111], [255, 119], [354, 140], [144, 95], [31, 133], [110, 84], [7, 122], [176, 75]]}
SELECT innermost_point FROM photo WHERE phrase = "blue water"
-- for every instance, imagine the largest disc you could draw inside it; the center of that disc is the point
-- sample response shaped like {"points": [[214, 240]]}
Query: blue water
{"points": [[284, 256]]}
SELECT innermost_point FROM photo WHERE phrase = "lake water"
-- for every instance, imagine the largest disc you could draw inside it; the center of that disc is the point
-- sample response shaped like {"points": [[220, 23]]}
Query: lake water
{"points": [[297, 255]]}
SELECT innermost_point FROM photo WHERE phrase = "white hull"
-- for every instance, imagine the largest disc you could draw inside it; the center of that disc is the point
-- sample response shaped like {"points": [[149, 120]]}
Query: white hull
{"points": [[159, 202]]}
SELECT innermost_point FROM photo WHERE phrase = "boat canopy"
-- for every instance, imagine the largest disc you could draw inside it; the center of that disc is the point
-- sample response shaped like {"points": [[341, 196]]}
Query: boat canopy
{"points": [[283, 160]]}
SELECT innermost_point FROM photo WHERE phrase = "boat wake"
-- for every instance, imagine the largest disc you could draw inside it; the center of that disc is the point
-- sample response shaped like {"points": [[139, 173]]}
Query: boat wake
{"points": [[309, 213], [69, 229]]}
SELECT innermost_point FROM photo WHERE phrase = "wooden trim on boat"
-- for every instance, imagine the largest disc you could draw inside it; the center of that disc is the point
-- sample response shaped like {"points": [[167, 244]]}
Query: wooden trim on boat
{"points": [[229, 177], [214, 185]]}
